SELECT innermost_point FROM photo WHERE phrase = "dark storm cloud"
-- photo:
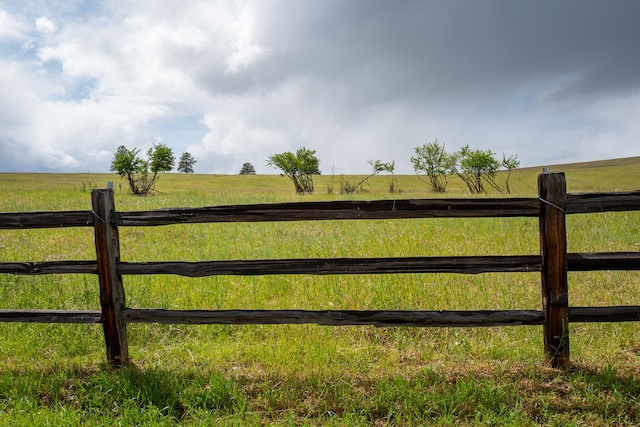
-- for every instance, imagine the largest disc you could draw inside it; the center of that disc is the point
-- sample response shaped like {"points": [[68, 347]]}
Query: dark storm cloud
{"points": [[444, 51]]}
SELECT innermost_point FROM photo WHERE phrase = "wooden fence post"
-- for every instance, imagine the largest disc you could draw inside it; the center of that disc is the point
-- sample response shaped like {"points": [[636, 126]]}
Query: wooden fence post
{"points": [[552, 190], [112, 299]]}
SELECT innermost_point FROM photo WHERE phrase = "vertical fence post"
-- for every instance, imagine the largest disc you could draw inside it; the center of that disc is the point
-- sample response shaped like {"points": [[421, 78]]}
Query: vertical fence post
{"points": [[112, 299], [552, 190]]}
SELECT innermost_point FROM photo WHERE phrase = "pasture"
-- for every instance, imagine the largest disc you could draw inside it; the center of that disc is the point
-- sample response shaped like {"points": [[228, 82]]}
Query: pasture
{"points": [[307, 374]]}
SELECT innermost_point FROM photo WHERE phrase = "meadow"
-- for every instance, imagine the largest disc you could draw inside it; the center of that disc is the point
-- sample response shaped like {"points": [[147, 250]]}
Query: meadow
{"points": [[308, 374]]}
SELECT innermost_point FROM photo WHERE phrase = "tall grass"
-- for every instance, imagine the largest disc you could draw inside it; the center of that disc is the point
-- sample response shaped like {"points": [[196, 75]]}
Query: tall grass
{"points": [[307, 374]]}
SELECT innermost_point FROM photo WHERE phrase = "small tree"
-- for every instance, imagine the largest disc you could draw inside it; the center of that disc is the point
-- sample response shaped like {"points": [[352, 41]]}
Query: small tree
{"points": [[142, 174], [330, 185], [475, 167], [247, 169], [299, 167], [347, 187], [432, 160], [509, 163], [186, 163], [393, 185]]}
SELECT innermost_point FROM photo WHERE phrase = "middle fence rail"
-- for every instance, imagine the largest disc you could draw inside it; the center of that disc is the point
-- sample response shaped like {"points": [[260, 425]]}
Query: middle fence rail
{"points": [[553, 262]]}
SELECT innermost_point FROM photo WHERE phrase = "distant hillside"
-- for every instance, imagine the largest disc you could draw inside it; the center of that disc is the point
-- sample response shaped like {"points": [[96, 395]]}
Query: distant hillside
{"points": [[625, 161], [603, 175]]}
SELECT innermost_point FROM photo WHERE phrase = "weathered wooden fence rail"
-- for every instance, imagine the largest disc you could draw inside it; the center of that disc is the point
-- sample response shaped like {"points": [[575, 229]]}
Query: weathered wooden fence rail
{"points": [[553, 262]]}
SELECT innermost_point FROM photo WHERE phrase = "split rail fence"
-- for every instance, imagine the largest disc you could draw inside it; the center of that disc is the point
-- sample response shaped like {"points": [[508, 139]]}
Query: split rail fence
{"points": [[553, 262]]}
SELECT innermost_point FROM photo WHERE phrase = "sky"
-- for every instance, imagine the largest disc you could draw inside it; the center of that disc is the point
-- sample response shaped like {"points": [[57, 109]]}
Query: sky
{"points": [[232, 82]]}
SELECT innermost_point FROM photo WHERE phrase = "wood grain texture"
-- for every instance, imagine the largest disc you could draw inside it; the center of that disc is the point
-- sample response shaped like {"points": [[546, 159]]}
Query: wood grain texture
{"points": [[314, 266], [24, 220], [337, 317], [112, 297], [50, 316], [598, 261], [382, 318], [603, 202], [333, 210], [594, 261], [605, 314], [553, 248], [381, 209], [49, 267]]}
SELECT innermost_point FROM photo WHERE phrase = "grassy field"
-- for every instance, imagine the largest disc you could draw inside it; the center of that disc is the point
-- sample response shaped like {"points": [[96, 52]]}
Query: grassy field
{"points": [[307, 374]]}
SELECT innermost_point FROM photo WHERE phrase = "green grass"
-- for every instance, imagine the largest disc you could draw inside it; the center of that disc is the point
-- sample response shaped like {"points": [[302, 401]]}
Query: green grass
{"points": [[492, 395], [308, 374]]}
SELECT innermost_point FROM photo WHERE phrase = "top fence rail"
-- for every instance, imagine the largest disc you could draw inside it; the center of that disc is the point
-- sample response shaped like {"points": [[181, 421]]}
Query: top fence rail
{"points": [[332, 210]]}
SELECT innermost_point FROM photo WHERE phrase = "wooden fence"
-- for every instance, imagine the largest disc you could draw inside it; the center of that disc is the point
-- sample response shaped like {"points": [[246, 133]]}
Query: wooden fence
{"points": [[551, 207]]}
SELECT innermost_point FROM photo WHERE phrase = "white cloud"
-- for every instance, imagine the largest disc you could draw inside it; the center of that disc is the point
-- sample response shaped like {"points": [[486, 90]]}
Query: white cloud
{"points": [[45, 26], [232, 141], [246, 52], [66, 135], [12, 27]]}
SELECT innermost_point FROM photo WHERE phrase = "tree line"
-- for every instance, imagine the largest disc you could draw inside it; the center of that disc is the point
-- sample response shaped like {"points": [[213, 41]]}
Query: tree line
{"points": [[431, 162], [476, 168]]}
